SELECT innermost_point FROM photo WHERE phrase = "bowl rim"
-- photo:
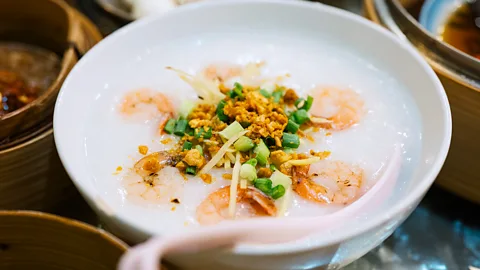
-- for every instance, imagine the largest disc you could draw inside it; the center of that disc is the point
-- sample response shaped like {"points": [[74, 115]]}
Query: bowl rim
{"points": [[119, 244], [396, 210]]}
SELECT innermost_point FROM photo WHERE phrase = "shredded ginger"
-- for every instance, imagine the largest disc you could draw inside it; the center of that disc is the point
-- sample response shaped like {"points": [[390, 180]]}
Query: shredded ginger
{"points": [[219, 155], [232, 204], [206, 89]]}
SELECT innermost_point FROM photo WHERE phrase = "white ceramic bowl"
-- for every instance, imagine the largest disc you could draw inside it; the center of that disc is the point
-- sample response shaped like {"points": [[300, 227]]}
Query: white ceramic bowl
{"points": [[134, 57]]}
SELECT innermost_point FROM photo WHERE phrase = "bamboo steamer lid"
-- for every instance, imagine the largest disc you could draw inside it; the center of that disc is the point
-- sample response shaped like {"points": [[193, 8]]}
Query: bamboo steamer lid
{"points": [[35, 240], [460, 76], [31, 173]]}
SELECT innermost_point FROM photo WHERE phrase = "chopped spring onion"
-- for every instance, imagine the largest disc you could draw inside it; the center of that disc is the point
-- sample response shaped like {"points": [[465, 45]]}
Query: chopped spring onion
{"points": [[199, 148], [244, 144], [187, 145], [189, 131], [277, 95], [307, 104], [299, 102], [292, 127], [290, 140], [300, 116], [192, 170], [269, 141], [265, 93], [252, 162], [232, 130], [237, 90], [170, 126], [186, 108], [262, 152], [302, 162], [208, 133], [272, 167], [221, 115], [264, 185], [201, 133], [288, 150], [180, 127], [232, 204], [279, 178], [248, 172], [219, 155], [277, 192]]}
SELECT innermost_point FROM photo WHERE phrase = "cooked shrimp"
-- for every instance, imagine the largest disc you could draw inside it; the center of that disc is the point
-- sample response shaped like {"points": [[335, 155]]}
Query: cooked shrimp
{"points": [[341, 108], [330, 182], [250, 203], [136, 101], [152, 164], [148, 101], [154, 179]]}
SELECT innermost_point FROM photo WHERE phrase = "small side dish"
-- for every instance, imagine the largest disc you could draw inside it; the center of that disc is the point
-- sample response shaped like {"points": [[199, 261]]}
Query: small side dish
{"points": [[25, 72]]}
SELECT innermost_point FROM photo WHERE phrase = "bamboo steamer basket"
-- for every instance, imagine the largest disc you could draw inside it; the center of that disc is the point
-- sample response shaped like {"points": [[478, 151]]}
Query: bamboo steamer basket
{"points": [[31, 174], [35, 240], [460, 75], [49, 24]]}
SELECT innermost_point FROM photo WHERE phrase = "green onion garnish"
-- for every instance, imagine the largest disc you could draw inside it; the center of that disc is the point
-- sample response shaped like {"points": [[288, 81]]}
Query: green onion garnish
{"points": [[237, 91], [180, 127], [252, 162], [170, 126], [265, 93], [277, 192], [201, 133], [262, 153], [292, 127], [290, 140], [269, 141], [308, 104], [192, 170], [187, 145], [243, 144], [277, 95], [264, 185], [300, 116], [221, 115], [189, 131], [199, 148], [299, 102], [207, 134]]}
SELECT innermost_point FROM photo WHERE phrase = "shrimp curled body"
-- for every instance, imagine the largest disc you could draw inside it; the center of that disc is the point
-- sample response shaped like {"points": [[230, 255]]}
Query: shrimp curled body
{"points": [[328, 182], [154, 179], [250, 203], [148, 101], [341, 108]]}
